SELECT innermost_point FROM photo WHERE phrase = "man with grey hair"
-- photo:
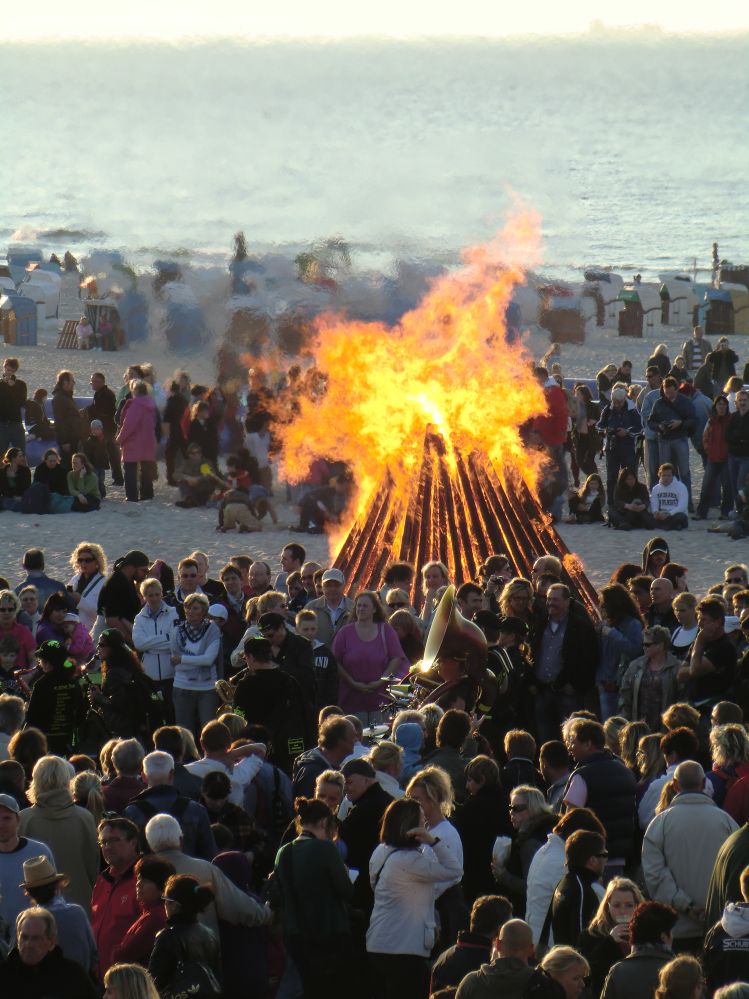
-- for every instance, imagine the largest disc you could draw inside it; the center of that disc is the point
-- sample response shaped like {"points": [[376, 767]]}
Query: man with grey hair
{"points": [[11, 719], [621, 425], [679, 851], [127, 758], [36, 966], [164, 837], [161, 797]]}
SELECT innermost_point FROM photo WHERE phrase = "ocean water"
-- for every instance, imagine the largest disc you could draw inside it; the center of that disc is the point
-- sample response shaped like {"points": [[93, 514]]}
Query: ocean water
{"points": [[635, 151]]}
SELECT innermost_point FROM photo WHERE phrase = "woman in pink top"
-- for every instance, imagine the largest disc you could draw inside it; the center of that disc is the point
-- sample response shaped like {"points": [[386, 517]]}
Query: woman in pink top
{"points": [[139, 426], [367, 650]]}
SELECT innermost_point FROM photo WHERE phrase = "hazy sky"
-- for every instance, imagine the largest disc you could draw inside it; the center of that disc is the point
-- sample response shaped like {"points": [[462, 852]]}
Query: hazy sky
{"points": [[170, 19]]}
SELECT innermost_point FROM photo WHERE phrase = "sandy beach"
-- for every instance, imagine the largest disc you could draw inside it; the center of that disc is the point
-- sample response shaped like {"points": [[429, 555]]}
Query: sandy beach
{"points": [[163, 530]]}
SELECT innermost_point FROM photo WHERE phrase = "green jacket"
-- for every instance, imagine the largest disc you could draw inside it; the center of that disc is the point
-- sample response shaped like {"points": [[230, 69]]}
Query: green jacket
{"points": [[87, 484], [313, 888]]}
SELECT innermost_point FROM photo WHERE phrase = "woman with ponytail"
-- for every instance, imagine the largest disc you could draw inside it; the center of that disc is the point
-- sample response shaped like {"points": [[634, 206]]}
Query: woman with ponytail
{"points": [[313, 887], [186, 955]]}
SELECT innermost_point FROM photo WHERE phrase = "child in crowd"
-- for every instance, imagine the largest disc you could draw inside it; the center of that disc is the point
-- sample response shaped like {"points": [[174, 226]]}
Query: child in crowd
{"points": [[95, 449], [326, 667], [77, 640], [9, 682]]}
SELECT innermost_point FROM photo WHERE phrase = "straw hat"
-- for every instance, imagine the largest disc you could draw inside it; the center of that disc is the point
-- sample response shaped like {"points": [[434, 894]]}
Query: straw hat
{"points": [[39, 871]]}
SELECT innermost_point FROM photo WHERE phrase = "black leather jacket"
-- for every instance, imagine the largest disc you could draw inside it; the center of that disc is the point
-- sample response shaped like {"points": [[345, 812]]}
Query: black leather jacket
{"points": [[182, 940]]}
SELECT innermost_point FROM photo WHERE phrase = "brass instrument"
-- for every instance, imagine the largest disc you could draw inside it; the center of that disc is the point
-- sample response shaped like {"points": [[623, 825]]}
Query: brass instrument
{"points": [[226, 689], [456, 651]]}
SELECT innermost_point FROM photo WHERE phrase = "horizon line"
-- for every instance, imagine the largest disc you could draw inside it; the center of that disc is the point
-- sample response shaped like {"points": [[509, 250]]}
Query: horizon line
{"points": [[594, 32]]}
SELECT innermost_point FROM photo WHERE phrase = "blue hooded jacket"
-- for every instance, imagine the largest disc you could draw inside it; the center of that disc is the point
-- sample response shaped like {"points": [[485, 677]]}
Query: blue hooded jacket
{"points": [[410, 737]]}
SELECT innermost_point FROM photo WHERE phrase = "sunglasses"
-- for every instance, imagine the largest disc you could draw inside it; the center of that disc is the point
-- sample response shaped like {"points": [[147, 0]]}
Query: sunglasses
{"points": [[85, 558], [393, 603], [646, 645], [518, 808]]}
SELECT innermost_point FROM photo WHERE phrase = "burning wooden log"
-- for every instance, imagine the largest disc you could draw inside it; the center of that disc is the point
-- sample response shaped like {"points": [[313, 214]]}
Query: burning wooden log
{"points": [[459, 511]]}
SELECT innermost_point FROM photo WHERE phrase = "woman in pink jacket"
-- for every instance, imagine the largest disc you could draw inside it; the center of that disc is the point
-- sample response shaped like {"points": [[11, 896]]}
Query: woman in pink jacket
{"points": [[138, 438]]}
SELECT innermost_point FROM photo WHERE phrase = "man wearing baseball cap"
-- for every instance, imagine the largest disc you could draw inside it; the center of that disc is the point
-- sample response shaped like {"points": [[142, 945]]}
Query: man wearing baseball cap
{"points": [[333, 609], [293, 654], [14, 850]]}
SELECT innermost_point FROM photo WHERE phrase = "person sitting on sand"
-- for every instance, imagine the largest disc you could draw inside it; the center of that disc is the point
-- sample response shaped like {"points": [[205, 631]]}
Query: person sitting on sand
{"points": [[195, 478], [668, 501], [629, 506], [586, 504]]}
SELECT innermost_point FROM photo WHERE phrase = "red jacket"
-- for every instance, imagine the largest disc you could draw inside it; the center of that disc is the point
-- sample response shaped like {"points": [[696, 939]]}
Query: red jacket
{"points": [[114, 909], [714, 438], [137, 944], [552, 427]]}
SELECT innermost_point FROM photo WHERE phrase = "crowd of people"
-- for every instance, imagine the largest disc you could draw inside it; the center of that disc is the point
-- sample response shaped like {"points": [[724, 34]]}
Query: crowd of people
{"points": [[243, 785], [118, 437], [698, 405]]}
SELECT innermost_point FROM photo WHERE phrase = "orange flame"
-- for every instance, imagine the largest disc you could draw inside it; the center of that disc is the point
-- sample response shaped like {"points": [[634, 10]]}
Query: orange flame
{"points": [[446, 363]]}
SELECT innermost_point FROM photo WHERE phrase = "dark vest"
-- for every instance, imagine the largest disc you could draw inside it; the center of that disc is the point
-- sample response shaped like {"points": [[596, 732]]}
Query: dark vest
{"points": [[611, 795]]}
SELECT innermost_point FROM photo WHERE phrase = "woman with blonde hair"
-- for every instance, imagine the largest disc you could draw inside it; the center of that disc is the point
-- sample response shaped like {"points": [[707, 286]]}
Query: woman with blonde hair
{"points": [[430, 714], [129, 981], [612, 729], [650, 762], [86, 790], [89, 564], [681, 978], [432, 789], [516, 599], [532, 819], [729, 749], [68, 830], [606, 940], [685, 609], [105, 760], [563, 966], [629, 740], [387, 759]]}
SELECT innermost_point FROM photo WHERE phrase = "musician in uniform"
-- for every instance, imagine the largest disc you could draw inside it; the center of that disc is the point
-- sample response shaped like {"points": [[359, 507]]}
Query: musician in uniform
{"points": [[267, 695]]}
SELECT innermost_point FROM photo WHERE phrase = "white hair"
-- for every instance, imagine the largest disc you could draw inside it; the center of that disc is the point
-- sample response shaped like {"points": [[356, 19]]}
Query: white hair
{"points": [[163, 833], [157, 766]]}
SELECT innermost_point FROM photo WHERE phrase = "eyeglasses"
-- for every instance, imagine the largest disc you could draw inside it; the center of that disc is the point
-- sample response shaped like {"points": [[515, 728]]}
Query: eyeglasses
{"points": [[518, 808], [646, 645], [7, 610], [82, 559], [394, 603]]}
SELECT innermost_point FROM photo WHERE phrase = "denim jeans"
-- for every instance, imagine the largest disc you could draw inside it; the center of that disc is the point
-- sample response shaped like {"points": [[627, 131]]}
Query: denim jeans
{"points": [[676, 452], [194, 708], [651, 462], [551, 707], [739, 469], [716, 471], [620, 453]]}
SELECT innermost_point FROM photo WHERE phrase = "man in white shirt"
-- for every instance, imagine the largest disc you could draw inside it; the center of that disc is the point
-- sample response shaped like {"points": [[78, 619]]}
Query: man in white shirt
{"points": [[669, 500], [242, 764]]}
